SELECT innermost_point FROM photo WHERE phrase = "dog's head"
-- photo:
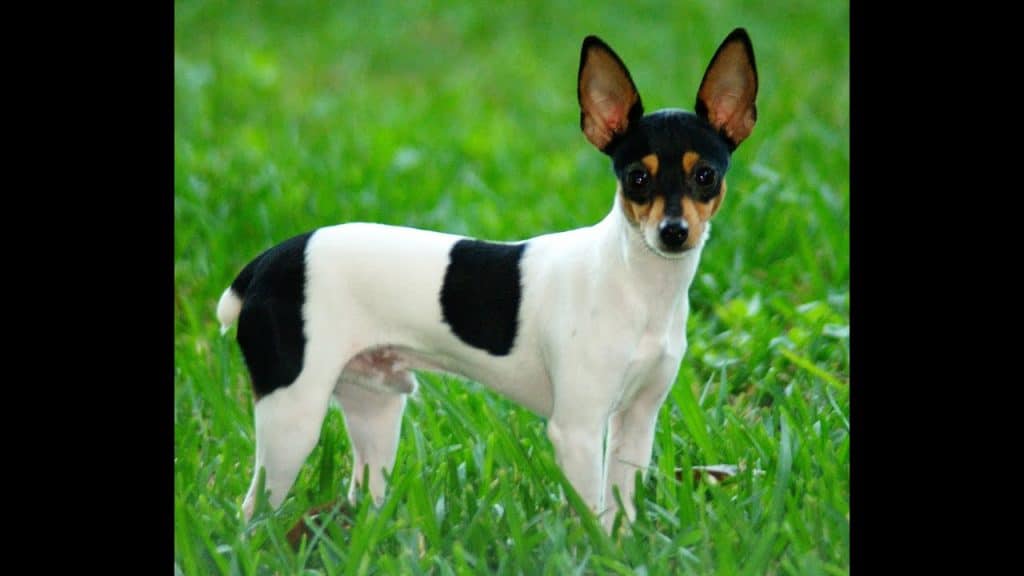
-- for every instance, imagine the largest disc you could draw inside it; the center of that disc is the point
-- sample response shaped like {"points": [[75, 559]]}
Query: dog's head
{"points": [[670, 164]]}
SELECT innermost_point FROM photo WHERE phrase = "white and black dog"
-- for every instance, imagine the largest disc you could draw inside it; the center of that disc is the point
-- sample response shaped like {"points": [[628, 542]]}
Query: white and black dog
{"points": [[585, 328]]}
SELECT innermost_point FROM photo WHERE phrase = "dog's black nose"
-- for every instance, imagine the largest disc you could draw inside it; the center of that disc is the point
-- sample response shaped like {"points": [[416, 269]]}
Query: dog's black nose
{"points": [[673, 232]]}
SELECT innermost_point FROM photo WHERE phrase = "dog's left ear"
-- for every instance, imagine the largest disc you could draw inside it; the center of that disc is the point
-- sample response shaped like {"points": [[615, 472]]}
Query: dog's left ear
{"points": [[609, 102], [729, 88]]}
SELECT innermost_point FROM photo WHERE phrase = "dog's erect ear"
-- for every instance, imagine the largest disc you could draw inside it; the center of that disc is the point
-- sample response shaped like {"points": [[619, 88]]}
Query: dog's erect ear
{"points": [[727, 92], [609, 102]]}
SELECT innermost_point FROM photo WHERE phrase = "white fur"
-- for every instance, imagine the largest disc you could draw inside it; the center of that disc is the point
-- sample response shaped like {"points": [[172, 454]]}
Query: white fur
{"points": [[601, 334], [228, 308]]}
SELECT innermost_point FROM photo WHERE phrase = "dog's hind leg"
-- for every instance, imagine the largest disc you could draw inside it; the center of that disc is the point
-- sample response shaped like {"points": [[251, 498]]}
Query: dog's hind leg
{"points": [[288, 425], [373, 416]]}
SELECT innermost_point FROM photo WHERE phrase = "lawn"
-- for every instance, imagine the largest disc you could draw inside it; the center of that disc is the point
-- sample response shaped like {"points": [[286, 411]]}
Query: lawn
{"points": [[463, 118]]}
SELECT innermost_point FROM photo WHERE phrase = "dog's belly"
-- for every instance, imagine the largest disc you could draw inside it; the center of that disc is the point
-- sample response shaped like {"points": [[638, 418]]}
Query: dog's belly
{"points": [[384, 367], [519, 378]]}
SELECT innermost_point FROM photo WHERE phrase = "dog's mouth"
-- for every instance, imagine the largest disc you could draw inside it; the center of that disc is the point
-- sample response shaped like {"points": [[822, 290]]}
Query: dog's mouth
{"points": [[666, 254], [653, 243]]}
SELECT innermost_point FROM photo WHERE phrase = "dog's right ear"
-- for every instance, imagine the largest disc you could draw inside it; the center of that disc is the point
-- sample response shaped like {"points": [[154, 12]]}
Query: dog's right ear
{"points": [[729, 88], [609, 102]]}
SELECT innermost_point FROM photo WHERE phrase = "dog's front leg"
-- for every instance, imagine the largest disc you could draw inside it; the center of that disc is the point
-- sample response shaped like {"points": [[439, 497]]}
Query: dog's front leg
{"points": [[578, 450], [630, 441], [577, 427]]}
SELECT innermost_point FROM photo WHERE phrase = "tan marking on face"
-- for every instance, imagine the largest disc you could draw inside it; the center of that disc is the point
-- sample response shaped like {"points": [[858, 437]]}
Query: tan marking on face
{"points": [[651, 162], [639, 214], [697, 215], [689, 160], [657, 210], [693, 213]]}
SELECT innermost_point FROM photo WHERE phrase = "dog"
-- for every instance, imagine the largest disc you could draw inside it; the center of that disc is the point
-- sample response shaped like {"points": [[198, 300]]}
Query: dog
{"points": [[586, 328]]}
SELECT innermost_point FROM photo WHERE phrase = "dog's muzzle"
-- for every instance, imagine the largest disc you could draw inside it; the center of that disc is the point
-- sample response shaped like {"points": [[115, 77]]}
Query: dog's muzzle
{"points": [[673, 232]]}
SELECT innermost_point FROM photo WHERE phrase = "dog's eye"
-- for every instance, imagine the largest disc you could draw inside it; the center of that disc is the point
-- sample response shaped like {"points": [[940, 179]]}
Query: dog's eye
{"points": [[638, 178], [705, 176]]}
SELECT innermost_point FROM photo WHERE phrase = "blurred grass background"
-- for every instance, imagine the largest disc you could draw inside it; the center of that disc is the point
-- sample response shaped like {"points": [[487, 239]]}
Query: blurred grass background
{"points": [[462, 117]]}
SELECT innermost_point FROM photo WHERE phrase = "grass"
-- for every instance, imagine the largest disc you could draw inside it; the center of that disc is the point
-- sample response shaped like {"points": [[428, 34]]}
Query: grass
{"points": [[463, 118]]}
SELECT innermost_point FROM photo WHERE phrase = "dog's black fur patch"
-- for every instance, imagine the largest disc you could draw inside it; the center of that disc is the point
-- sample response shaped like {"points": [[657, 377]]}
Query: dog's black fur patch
{"points": [[669, 134], [270, 326], [481, 294]]}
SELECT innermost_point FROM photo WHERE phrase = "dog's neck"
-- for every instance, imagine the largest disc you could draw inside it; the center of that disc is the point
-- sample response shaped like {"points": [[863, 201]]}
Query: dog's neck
{"points": [[626, 253]]}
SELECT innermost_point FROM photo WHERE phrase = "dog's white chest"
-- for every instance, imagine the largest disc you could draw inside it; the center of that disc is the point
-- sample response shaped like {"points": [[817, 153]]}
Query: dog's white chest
{"points": [[657, 352]]}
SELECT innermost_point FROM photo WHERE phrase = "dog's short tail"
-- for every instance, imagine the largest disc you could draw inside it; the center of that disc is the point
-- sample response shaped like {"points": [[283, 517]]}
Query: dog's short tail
{"points": [[230, 304], [228, 307]]}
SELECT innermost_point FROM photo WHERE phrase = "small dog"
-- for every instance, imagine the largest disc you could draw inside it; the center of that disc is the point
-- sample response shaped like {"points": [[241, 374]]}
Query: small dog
{"points": [[585, 328]]}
